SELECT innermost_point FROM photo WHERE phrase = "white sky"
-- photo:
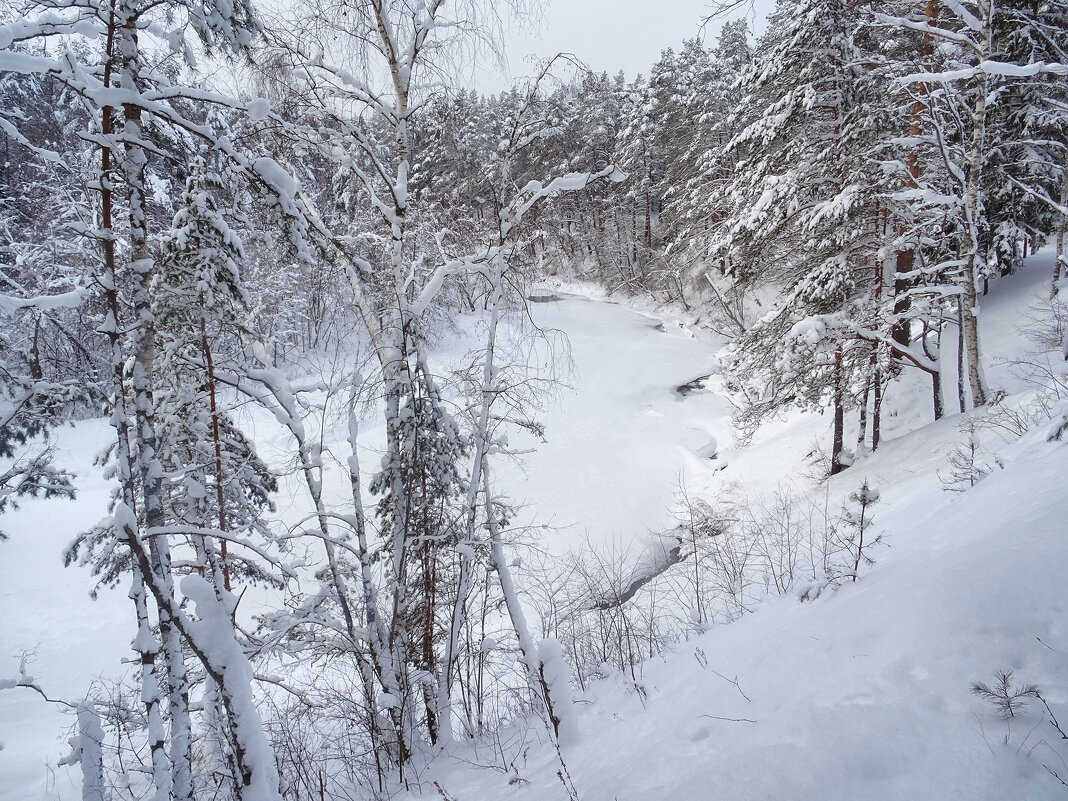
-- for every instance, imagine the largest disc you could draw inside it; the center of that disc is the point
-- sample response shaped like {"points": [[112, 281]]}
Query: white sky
{"points": [[610, 35]]}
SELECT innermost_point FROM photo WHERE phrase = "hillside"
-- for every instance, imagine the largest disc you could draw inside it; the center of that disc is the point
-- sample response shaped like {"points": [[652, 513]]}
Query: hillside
{"points": [[862, 693]]}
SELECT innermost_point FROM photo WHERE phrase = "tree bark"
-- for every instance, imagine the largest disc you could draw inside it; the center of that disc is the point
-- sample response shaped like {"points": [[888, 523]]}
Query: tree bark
{"points": [[877, 411], [838, 431], [972, 203], [1060, 260], [216, 436], [905, 257]]}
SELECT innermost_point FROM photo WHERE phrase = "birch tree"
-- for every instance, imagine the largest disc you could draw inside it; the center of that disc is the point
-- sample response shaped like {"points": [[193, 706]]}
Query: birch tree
{"points": [[402, 626], [128, 96], [966, 85]]}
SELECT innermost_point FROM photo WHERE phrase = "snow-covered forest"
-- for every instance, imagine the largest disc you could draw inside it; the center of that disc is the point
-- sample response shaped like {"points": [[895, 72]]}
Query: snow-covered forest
{"points": [[365, 435]]}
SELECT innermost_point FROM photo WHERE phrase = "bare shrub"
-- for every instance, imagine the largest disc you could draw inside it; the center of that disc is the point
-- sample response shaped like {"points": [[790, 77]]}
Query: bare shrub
{"points": [[968, 464]]}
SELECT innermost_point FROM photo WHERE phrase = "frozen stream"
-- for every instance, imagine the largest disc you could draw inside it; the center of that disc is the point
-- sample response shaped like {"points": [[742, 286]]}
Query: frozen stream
{"points": [[620, 437]]}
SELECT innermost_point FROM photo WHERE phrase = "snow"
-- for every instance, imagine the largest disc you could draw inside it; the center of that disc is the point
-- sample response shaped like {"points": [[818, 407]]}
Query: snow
{"points": [[557, 676], [636, 439], [45, 609], [865, 692], [259, 109], [44, 302], [277, 178], [862, 693], [89, 752], [213, 633]]}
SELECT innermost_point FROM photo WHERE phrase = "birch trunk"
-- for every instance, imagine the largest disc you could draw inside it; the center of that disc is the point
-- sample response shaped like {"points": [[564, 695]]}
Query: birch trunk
{"points": [[470, 512], [528, 648], [1060, 261], [973, 209]]}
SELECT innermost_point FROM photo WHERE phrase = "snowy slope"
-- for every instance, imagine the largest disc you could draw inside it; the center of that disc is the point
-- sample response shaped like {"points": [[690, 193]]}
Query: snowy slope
{"points": [[862, 694]]}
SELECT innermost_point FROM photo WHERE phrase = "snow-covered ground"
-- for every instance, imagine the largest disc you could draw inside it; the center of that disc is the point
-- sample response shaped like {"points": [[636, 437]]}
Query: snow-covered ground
{"points": [[620, 438], [45, 610], [862, 694], [617, 443]]}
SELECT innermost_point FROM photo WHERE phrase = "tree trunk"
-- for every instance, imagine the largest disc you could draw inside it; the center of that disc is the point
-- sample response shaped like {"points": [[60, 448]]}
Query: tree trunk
{"points": [[862, 435], [962, 403], [90, 753], [181, 744], [377, 639], [936, 374], [216, 436], [838, 432], [489, 395], [877, 411], [905, 260], [531, 659], [936, 395], [970, 309], [903, 265], [1060, 260]]}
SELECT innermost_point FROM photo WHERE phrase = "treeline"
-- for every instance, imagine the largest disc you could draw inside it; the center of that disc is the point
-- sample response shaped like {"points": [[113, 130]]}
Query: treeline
{"points": [[836, 196]]}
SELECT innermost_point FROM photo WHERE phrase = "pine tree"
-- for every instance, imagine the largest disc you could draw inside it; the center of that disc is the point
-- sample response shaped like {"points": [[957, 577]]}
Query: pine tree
{"points": [[424, 473], [700, 198], [806, 217], [1025, 153], [199, 304]]}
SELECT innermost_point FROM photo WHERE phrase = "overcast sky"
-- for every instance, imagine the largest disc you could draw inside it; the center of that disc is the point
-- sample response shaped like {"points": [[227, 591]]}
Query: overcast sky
{"points": [[611, 35]]}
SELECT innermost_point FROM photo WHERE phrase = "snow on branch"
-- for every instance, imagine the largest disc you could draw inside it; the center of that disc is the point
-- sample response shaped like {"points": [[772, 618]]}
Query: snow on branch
{"points": [[1042, 196], [220, 534], [999, 68], [14, 133], [535, 191], [82, 22], [927, 28], [64, 300], [903, 351], [967, 17], [511, 217]]}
